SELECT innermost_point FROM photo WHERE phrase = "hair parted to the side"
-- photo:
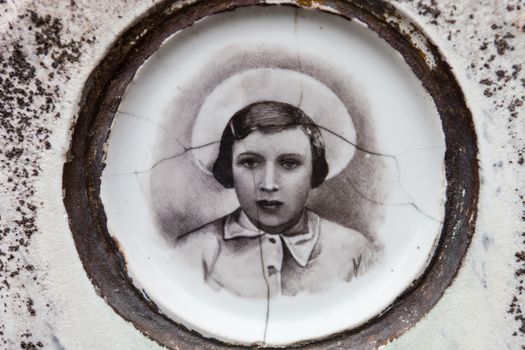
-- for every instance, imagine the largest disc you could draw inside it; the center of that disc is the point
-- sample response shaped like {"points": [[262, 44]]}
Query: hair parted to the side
{"points": [[268, 117]]}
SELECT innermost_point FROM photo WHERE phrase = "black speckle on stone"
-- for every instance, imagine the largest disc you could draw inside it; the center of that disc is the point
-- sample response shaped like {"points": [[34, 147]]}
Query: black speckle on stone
{"points": [[486, 82], [484, 46], [516, 69], [429, 10], [502, 45], [48, 36], [500, 74], [21, 69], [28, 106], [30, 345], [30, 309]]}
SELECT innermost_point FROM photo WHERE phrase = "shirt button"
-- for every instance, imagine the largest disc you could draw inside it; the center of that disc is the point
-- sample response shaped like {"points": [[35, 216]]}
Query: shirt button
{"points": [[271, 270], [272, 240]]}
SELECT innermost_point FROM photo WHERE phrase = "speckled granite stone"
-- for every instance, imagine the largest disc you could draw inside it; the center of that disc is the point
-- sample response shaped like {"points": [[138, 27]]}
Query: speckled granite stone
{"points": [[49, 48]]}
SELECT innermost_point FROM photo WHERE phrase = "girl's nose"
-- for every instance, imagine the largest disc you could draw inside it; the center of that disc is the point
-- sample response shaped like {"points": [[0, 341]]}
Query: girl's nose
{"points": [[269, 180]]}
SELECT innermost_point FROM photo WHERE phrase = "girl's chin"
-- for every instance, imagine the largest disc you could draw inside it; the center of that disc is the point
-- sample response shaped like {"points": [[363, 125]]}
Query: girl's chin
{"points": [[271, 222], [275, 226]]}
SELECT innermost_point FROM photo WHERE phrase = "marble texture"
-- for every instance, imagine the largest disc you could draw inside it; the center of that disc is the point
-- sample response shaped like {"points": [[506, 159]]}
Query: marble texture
{"points": [[48, 50]]}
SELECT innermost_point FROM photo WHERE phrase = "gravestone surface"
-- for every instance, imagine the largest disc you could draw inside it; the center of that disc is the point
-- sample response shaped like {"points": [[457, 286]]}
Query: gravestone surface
{"points": [[72, 272]]}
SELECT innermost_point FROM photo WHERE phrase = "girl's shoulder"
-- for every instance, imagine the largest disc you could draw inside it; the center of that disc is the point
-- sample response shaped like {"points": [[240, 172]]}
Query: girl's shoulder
{"points": [[204, 241], [349, 245], [341, 235]]}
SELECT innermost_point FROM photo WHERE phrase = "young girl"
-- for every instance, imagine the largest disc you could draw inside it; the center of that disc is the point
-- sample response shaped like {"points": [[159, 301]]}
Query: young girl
{"points": [[273, 154]]}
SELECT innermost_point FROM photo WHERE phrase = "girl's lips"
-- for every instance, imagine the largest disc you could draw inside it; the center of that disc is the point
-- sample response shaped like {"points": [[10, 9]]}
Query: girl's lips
{"points": [[269, 204]]}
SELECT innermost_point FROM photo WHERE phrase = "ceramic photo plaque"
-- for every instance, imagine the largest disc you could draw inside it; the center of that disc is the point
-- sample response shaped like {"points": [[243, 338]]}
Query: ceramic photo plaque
{"points": [[272, 176]]}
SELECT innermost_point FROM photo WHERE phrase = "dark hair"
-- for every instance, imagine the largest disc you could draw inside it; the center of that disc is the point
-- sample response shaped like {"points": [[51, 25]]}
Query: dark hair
{"points": [[268, 117]]}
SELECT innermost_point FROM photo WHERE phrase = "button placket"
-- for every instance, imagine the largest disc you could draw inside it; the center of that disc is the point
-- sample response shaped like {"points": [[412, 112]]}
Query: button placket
{"points": [[272, 255]]}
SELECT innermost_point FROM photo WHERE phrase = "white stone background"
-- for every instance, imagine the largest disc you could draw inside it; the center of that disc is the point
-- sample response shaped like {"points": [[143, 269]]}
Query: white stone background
{"points": [[46, 299]]}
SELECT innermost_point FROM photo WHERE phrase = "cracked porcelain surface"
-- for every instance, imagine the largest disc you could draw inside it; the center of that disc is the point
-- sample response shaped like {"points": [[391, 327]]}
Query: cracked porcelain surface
{"points": [[387, 176]]}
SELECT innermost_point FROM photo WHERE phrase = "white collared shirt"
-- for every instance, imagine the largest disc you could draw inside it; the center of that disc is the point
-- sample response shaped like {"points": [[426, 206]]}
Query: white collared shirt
{"points": [[231, 253]]}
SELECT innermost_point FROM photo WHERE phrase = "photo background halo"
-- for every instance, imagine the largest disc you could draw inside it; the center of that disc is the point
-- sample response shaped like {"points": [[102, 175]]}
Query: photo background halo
{"points": [[280, 85]]}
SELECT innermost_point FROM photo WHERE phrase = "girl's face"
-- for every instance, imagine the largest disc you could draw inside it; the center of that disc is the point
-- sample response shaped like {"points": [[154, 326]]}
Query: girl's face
{"points": [[272, 177]]}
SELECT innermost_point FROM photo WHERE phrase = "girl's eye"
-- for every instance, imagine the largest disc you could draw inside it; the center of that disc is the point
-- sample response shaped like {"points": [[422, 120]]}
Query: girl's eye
{"points": [[249, 163], [290, 164]]}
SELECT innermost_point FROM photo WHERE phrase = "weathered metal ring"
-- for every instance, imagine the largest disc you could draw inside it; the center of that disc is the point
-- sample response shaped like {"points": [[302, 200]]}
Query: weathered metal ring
{"points": [[100, 255]]}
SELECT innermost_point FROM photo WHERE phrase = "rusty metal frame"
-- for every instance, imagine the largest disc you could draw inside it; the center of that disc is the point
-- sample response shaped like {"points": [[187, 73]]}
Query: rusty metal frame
{"points": [[100, 255]]}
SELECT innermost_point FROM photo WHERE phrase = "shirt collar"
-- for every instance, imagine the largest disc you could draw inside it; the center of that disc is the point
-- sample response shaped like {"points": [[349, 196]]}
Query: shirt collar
{"points": [[300, 239]]}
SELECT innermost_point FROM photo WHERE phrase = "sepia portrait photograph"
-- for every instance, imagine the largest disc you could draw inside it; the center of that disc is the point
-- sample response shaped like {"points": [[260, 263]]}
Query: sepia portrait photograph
{"points": [[264, 178], [272, 154]]}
